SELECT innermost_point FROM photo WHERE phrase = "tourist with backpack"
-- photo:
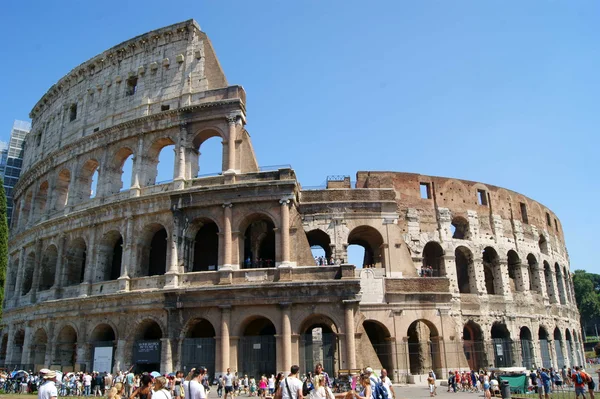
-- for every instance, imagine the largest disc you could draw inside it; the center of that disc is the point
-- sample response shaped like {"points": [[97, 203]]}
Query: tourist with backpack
{"points": [[378, 390], [579, 381], [587, 379]]}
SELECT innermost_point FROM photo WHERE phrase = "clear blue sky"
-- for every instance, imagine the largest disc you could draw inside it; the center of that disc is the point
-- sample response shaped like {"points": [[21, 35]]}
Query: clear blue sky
{"points": [[503, 92]]}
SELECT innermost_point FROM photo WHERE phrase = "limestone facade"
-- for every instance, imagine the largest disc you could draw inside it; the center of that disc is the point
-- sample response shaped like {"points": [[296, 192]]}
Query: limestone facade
{"points": [[218, 270]]}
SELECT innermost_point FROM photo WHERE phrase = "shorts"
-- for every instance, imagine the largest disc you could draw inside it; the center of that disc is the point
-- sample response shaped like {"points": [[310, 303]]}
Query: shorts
{"points": [[547, 387], [431, 388], [591, 385], [228, 389], [580, 391], [486, 386]]}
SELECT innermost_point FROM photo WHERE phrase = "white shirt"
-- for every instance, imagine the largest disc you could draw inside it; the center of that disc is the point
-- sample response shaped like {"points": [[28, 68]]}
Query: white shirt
{"points": [[228, 378], [295, 386], [196, 390], [162, 394], [272, 383], [47, 390], [387, 383], [186, 389]]}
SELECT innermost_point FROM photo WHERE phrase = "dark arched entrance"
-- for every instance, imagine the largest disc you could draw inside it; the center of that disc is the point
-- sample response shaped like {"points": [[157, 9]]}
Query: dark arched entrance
{"points": [[473, 346], [110, 255], [545, 347], [103, 340], [319, 240], [147, 347], [372, 242], [66, 346], [526, 348], [423, 348], [319, 344], [38, 349], [433, 256], [198, 348], [465, 272], [503, 345], [259, 243], [380, 339], [206, 248], [75, 259], [257, 349]]}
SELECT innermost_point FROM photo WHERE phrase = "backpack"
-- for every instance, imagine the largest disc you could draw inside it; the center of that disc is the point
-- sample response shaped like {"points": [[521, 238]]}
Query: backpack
{"points": [[578, 378], [379, 391]]}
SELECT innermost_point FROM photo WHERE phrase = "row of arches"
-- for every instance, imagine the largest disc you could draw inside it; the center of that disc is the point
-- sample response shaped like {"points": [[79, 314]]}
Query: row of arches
{"points": [[91, 178]]}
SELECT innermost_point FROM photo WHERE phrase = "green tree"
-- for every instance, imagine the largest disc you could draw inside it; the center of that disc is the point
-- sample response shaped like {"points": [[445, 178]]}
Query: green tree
{"points": [[587, 294], [3, 243]]}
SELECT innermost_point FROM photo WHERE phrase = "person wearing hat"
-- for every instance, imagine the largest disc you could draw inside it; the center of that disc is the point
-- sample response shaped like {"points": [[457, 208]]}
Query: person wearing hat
{"points": [[48, 388]]}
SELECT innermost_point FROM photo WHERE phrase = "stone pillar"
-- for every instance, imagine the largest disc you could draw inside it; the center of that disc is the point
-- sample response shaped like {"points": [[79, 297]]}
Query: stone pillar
{"points": [[120, 363], [450, 266], [50, 345], [19, 281], [350, 332], [137, 173], [285, 232], [22, 221], [60, 260], [37, 270], [128, 256], [84, 355], [172, 274], [10, 346], [31, 216], [90, 263], [477, 286], [179, 171], [552, 351], [26, 353], [166, 357], [554, 298], [503, 285], [286, 337], [227, 236], [524, 272], [224, 341], [73, 189], [231, 121]]}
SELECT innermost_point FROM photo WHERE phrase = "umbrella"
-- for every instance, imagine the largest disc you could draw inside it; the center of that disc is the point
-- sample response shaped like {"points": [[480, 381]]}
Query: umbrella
{"points": [[19, 374], [171, 375], [155, 374]]}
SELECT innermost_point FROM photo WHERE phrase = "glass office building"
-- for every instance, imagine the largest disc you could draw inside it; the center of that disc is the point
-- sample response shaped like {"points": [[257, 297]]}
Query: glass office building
{"points": [[11, 161]]}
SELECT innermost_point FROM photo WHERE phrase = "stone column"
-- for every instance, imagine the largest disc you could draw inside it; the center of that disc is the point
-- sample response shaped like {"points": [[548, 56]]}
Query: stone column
{"points": [[350, 332], [179, 171], [286, 336], [450, 266], [50, 345], [525, 283], [19, 281], [10, 346], [73, 191], [128, 256], [26, 353], [22, 221], [555, 297], [224, 342], [58, 280], [120, 363], [503, 285], [231, 121], [477, 286], [90, 263], [31, 216], [166, 357], [227, 236], [137, 173], [285, 232], [172, 275], [37, 271]]}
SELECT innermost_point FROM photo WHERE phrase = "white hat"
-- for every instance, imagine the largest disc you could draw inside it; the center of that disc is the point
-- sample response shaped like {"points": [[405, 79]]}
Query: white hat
{"points": [[45, 371], [368, 370], [50, 374]]}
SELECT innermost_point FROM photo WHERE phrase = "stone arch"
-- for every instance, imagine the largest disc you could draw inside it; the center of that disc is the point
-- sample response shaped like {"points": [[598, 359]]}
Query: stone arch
{"points": [[153, 249], [560, 283], [147, 334], [372, 241], [319, 238], [473, 345], [151, 158], [110, 256], [503, 345], [61, 192], [66, 346], [37, 351], [76, 257], [18, 342], [465, 270], [11, 279], [48, 272], [115, 181], [534, 275], [527, 354], [433, 256], [87, 180], [423, 347], [381, 342], [569, 349], [514, 271], [259, 245], [492, 271], [204, 251], [454, 191], [545, 347], [28, 273], [543, 244], [41, 200], [318, 343], [198, 346], [549, 282], [460, 228], [560, 356], [103, 332], [257, 332], [196, 155]]}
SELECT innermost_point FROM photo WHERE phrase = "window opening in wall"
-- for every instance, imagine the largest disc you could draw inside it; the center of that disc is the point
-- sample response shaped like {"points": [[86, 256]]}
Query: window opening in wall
{"points": [[94, 186], [543, 244], [165, 107], [425, 190], [39, 139], [96, 129], [127, 169], [72, 112], [549, 220], [131, 86], [166, 160], [460, 228], [524, 217], [482, 197], [555, 225]]}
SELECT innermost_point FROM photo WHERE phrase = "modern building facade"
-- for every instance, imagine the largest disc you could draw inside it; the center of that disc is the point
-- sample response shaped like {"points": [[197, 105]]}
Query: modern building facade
{"points": [[12, 161], [218, 271]]}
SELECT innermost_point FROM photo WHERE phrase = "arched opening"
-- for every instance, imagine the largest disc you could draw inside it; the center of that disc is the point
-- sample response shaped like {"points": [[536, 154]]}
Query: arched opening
{"points": [[75, 262], [110, 256], [433, 260], [423, 348], [460, 228], [199, 345], [380, 339], [208, 150], [259, 243], [320, 246], [154, 250], [491, 268], [88, 180], [41, 200], [319, 344], [11, 281], [543, 243], [3, 349], [37, 352], [560, 357], [48, 272], [28, 274], [561, 284], [257, 349], [372, 242], [527, 348], [503, 345], [66, 345], [121, 171], [160, 162], [534, 279], [514, 272], [18, 342], [567, 283], [569, 343], [103, 340], [473, 346], [465, 271], [549, 282], [545, 347], [62, 189], [206, 247], [147, 346]]}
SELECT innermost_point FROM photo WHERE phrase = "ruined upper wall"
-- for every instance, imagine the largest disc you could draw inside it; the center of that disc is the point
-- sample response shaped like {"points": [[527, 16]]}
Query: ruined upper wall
{"points": [[164, 69]]}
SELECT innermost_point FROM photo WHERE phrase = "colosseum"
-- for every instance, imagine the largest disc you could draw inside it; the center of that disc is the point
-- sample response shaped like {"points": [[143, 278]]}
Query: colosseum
{"points": [[218, 270]]}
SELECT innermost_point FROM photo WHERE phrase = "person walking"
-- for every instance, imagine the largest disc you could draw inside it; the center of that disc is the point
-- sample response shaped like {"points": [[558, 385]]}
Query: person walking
{"points": [[291, 386], [48, 388], [228, 382], [129, 379], [160, 388]]}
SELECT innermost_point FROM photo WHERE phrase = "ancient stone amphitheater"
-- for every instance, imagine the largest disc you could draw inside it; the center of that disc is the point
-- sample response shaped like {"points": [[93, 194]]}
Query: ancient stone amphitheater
{"points": [[218, 270]]}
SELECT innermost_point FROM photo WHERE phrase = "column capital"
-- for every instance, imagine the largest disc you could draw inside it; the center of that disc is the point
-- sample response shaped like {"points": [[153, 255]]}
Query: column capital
{"points": [[225, 308], [227, 205], [285, 305], [284, 201]]}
